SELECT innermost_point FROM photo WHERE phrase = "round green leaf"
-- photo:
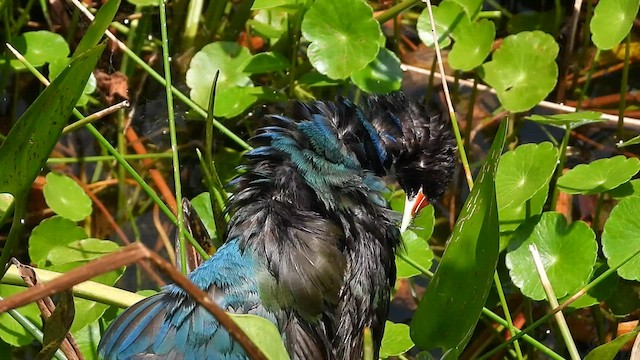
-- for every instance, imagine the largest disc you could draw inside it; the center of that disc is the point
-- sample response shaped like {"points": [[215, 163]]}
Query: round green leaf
{"points": [[448, 16], [599, 176], [396, 340], [227, 57], [568, 253], [382, 75], [264, 63], [51, 233], [620, 237], [598, 293], [574, 120], [630, 188], [471, 7], [523, 70], [88, 311], [81, 250], [344, 36], [269, 23], [202, 205], [11, 331], [263, 334], [523, 172], [612, 21], [6, 200], [473, 44], [417, 249], [66, 198], [39, 48], [512, 216]]}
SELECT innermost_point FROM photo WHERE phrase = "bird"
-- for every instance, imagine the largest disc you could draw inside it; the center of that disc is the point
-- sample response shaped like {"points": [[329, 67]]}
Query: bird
{"points": [[311, 241]]}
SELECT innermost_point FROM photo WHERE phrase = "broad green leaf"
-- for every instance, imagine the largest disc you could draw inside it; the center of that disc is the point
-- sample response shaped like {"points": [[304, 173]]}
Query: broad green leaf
{"points": [[344, 36], [574, 120], [202, 205], [599, 176], [264, 63], [396, 340], [471, 7], [11, 331], [630, 188], [568, 253], [612, 21], [448, 17], [523, 70], [6, 200], [88, 339], [473, 44], [66, 198], [417, 249], [34, 135], [88, 311], [264, 334], [98, 26], [227, 57], [39, 48], [269, 23], [144, 2], [51, 233], [633, 141], [81, 250], [382, 75], [598, 293], [233, 100], [609, 350], [453, 300], [620, 237], [315, 79], [523, 172], [268, 4], [512, 216]]}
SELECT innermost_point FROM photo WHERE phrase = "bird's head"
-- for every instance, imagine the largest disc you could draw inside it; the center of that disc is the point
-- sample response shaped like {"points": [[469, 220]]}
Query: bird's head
{"points": [[424, 154]]}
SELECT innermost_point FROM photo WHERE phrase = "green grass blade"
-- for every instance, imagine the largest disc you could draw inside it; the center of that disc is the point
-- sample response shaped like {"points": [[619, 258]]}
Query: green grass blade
{"points": [[453, 301], [98, 26]]}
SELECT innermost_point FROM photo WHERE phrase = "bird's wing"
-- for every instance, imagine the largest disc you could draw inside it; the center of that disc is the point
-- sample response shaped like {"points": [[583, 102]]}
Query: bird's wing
{"points": [[170, 325]]}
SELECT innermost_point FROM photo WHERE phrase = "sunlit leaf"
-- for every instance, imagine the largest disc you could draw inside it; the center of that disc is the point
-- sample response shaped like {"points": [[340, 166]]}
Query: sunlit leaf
{"points": [[87, 339], [523, 70], [448, 17], [601, 292], [264, 63], [620, 237], [472, 45], [471, 7], [523, 172], [6, 200], [633, 141], [568, 253], [81, 250], [264, 334], [39, 48], [145, 2], [341, 45], [66, 198], [11, 331], [226, 57], [453, 300], [599, 176], [51, 233], [609, 350], [612, 21], [382, 75], [574, 120], [202, 205], [396, 340], [512, 216], [33, 136], [417, 249]]}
